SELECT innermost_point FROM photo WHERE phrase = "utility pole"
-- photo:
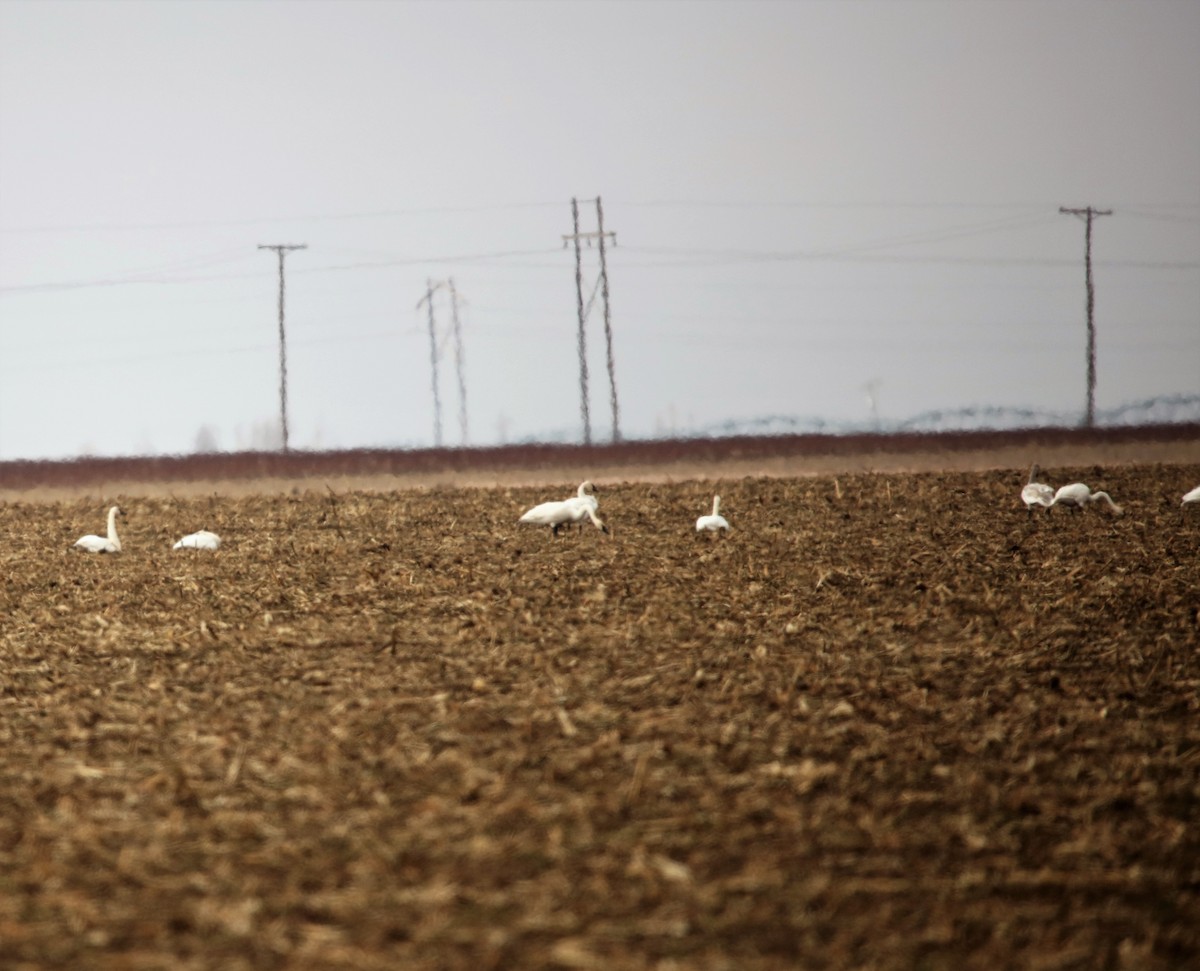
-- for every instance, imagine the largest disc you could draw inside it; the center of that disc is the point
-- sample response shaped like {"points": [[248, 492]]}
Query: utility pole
{"points": [[1088, 215], [282, 249], [430, 287], [600, 236]]}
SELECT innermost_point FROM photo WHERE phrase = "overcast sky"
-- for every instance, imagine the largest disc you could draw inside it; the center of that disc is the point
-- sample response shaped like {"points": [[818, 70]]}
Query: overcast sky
{"points": [[814, 203]]}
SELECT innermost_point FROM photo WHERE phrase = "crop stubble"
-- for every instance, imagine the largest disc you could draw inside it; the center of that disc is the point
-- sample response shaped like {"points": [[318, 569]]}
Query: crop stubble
{"points": [[891, 721]]}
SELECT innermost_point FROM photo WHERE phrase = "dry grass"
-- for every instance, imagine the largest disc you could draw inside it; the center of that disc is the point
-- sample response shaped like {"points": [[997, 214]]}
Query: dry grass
{"points": [[891, 721]]}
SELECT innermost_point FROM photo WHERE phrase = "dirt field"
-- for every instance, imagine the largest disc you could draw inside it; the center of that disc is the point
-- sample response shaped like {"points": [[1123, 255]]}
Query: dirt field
{"points": [[891, 721]]}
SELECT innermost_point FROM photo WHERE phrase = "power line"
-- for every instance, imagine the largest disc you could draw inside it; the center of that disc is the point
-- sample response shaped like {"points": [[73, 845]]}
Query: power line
{"points": [[1088, 215], [282, 249], [679, 257]]}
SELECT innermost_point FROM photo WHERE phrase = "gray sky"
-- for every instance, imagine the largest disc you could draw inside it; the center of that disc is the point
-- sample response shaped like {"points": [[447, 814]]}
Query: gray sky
{"points": [[809, 197]]}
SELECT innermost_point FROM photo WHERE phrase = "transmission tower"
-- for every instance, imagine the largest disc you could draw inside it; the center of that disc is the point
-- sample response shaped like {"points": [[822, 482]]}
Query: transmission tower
{"points": [[431, 287], [1088, 215], [608, 348], [282, 249], [583, 367], [458, 360], [600, 236]]}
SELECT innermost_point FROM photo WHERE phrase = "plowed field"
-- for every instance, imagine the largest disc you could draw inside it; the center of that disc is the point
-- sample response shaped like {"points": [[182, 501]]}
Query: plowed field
{"points": [[889, 721]]}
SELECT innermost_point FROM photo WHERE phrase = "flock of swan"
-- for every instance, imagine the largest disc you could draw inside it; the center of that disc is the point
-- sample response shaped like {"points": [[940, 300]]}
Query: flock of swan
{"points": [[111, 543], [584, 505], [1075, 495]]}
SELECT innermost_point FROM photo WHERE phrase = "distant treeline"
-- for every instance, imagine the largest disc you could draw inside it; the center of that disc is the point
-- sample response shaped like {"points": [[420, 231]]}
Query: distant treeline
{"points": [[232, 466]]}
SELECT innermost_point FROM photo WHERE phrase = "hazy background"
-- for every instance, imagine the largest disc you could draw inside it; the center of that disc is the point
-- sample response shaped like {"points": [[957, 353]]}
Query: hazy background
{"points": [[815, 203]]}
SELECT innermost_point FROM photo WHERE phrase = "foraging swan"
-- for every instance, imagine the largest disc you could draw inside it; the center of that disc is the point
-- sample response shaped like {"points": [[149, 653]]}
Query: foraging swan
{"points": [[573, 510], [1035, 493], [1193, 496], [102, 544], [202, 540], [1078, 495], [583, 498], [714, 522]]}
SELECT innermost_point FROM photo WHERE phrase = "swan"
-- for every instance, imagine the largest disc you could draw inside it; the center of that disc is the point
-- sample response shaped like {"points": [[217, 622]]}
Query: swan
{"points": [[584, 495], [102, 544], [1193, 496], [714, 522], [202, 540], [1078, 495], [573, 510], [1035, 493]]}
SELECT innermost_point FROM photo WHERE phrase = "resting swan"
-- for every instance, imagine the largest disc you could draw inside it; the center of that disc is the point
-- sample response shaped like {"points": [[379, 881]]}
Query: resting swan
{"points": [[1035, 493], [202, 540], [714, 522], [1193, 496], [573, 510], [102, 544], [1078, 495]]}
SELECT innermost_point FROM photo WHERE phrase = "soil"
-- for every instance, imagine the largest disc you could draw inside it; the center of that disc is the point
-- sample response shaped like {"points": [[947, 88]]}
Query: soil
{"points": [[891, 720]]}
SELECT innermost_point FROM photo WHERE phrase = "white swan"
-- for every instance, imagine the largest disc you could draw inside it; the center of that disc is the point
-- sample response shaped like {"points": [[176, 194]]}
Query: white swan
{"points": [[584, 495], [714, 522], [583, 498], [102, 544], [1035, 493], [1077, 495], [202, 540], [557, 513], [1193, 496]]}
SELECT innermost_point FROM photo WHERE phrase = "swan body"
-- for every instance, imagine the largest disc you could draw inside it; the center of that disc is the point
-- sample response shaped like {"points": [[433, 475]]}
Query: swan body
{"points": [[560, 512], [202, 540], [1035, 493], [102, 544], [1078, 495], [713, 522], [1193, 496]]}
